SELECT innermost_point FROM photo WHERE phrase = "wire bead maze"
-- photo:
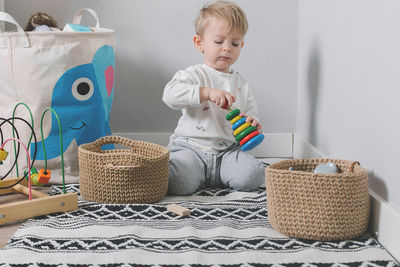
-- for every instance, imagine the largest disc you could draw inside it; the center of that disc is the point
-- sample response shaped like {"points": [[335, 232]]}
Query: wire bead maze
{"points": [[38, 203], [245, 134]]}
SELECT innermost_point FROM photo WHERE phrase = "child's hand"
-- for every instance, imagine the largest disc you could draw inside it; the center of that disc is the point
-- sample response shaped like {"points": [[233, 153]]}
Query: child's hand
{"points": [[253, 121], [218, 96]]}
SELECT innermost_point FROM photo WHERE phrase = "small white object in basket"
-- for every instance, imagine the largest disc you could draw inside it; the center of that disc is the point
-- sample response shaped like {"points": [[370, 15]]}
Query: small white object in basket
{"points": [[329, 167]]}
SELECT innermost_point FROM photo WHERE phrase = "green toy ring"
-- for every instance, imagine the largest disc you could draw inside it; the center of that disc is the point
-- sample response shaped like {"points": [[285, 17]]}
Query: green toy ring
{"points": [[232, 114], [245, 132]]}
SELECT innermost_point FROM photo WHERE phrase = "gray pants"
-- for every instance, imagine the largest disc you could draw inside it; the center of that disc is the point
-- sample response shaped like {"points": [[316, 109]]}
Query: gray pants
{"points": [[190, 169]]}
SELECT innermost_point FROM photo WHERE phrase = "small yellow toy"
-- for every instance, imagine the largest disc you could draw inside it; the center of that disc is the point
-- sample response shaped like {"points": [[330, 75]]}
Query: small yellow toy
{"points": [[3, 155]]}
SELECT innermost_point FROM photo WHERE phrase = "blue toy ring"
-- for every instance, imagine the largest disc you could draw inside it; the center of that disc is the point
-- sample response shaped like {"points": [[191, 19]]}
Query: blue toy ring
{"points": [[253, 142]]}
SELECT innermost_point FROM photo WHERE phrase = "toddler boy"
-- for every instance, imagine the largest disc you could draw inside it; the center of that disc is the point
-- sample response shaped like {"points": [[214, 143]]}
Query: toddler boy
{"points": [[203, 148]]}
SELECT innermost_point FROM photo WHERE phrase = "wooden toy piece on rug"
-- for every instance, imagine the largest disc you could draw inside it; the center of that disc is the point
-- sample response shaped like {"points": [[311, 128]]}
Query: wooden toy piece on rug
{"points": [[179, 210], [41, 21]]}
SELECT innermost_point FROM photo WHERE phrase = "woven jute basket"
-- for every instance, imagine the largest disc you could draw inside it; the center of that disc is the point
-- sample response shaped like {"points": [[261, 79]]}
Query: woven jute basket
{"points": [[138, 174], [317, 206]]}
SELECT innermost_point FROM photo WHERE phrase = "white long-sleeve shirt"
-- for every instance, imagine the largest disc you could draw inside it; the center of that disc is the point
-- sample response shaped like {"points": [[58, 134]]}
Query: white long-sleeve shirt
{"points": [[203, 125]]}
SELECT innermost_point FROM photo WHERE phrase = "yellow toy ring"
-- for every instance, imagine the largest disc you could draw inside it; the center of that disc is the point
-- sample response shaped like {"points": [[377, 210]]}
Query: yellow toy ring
{"points": [[236, 119], [241, 128]]}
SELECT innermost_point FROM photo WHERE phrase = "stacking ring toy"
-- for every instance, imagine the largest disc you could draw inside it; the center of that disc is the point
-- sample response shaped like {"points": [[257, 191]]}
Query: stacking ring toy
{"points": [[248, 136]]}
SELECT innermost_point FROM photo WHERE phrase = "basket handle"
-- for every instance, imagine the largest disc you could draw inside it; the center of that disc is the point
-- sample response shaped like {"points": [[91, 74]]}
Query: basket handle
{"points": [[353, 164], [78, 16], [7, 17], [113, 139], [110, 165]]}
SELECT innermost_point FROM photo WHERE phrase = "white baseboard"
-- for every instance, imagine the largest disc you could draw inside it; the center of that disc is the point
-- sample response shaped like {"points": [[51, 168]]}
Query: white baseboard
{"points": [[384, 219], [304, 149], [384, 224], [274, 145]]}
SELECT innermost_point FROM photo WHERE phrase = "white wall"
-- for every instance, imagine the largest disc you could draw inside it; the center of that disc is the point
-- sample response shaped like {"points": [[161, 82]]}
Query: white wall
{"points": [[348, 84], [154, 40], [2, 9], [339, 80], [348, 91]]}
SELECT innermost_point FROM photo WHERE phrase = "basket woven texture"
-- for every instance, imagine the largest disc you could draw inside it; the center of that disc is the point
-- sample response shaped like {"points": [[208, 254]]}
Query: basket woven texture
{"points": [[317, 206], [138, 174]]}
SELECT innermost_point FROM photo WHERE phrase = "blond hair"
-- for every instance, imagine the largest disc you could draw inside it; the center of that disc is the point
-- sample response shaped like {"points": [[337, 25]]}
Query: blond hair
{"points": [[229, 12]]}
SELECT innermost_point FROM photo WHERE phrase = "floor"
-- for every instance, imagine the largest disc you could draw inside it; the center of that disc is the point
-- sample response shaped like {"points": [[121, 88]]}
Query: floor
{"points": [[8, 230]]}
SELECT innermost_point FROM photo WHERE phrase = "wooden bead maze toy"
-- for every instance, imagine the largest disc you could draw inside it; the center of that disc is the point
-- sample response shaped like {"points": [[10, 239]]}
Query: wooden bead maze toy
{"points": [[38, 203]]}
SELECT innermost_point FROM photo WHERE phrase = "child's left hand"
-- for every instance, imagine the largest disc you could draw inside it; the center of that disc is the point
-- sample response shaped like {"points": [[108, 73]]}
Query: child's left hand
{"points": [[253, 121]]}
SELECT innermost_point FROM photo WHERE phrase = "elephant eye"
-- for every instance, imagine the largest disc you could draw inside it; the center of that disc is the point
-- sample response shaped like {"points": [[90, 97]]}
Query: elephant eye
{"points": [[82, 89]]}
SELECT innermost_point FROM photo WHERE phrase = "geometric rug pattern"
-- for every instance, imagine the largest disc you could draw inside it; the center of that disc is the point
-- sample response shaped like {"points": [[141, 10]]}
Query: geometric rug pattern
{"points": [[225, 228]]}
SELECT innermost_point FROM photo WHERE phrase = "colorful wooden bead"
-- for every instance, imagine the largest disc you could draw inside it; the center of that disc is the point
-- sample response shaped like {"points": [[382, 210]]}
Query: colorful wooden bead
{"points": [[34, 177], [35, 180], [33, 171], [3, 154], [44, 176]]}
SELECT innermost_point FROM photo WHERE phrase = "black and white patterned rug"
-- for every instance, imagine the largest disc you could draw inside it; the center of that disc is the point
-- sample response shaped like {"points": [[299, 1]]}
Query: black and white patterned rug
{"points": [[225, 228]]}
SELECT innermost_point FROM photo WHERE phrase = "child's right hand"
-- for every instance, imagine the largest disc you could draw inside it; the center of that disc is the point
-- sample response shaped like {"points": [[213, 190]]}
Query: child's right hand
{"points": [[218, 96]]}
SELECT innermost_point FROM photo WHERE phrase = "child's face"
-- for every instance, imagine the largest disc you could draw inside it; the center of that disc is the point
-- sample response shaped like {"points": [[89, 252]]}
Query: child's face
{"points": [[220, 48]]}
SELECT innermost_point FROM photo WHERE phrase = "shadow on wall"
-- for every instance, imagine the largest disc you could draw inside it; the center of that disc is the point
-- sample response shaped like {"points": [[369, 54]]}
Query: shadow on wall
{"points": [[313, 85], [378, 185], [376, 205], [313, 91]]}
